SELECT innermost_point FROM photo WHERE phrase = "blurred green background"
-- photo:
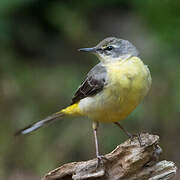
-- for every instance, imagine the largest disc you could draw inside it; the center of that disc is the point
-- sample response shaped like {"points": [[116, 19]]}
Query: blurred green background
{"points": [[40, 69]]}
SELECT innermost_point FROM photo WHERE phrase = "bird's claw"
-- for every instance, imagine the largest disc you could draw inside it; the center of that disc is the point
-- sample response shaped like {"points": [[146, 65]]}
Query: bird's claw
{"points": [[138, 136], [100, 161]]}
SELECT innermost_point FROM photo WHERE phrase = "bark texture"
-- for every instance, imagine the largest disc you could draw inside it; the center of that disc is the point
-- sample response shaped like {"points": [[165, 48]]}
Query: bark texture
{"points": [[129, 161]]}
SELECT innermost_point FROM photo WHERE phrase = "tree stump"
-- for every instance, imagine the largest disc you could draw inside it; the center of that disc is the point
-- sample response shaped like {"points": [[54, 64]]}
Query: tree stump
{"points": [[129, 161]]}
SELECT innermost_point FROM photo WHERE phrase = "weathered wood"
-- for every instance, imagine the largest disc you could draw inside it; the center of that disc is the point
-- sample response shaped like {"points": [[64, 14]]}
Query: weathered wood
{"points": [[129, 161]]}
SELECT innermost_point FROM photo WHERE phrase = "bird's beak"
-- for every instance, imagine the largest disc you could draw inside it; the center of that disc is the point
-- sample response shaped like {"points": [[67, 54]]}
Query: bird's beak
{"points": [[93, 49]]}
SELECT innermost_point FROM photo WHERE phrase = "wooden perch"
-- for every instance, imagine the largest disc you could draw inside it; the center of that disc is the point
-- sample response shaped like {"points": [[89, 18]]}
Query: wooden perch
{"points": [[129, 161]]}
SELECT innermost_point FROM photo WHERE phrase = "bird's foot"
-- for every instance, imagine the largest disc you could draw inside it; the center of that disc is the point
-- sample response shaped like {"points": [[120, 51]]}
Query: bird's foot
{"points": [[138, 136], [100, 161]]}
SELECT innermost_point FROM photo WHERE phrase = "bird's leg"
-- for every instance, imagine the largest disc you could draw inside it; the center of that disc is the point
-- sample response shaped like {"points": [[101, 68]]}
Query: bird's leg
{"points": [[99, 157], [124, 130], [139, 139], [131, 136]]}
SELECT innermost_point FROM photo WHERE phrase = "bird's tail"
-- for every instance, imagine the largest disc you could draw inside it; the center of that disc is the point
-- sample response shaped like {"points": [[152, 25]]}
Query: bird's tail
{"points": [[72, 110], [39, 124]]}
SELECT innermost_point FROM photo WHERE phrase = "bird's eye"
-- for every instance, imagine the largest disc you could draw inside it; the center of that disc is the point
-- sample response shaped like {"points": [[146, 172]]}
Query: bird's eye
{"points": [[109, 48]]}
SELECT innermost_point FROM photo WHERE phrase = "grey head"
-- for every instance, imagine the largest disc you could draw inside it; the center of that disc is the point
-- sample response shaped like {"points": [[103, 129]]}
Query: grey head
{"points": [[113, 48]]}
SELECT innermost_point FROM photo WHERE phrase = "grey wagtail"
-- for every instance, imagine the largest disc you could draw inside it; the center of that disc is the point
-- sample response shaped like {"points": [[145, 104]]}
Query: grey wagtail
{"points": [[111, 90]]}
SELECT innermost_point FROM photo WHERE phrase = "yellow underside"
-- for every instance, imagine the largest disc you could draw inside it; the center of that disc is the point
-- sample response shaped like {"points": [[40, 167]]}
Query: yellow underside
{"points": [[128, 83], [72, 110]]}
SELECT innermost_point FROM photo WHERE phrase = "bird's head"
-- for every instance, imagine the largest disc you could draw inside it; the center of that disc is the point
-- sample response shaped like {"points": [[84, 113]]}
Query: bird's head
{"points": [[113, 48]]}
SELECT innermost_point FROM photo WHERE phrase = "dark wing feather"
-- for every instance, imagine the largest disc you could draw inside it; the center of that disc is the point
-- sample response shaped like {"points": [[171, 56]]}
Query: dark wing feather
{"points": [[93, 84]]}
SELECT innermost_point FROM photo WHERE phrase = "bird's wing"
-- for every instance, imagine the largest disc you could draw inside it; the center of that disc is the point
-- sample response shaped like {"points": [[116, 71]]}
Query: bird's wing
{"points": [[93, 84]]}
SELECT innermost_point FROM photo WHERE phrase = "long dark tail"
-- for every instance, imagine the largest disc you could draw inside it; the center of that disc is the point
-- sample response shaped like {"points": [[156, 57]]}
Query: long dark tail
{"points": [[39, 124]]}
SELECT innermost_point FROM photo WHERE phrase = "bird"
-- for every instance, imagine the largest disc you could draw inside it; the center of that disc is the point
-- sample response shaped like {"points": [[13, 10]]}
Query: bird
{"points": [[112, 89]]}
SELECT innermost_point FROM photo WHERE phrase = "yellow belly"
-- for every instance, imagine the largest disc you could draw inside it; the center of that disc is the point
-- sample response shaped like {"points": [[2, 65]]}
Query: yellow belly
{"points": [[128, 83]]}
